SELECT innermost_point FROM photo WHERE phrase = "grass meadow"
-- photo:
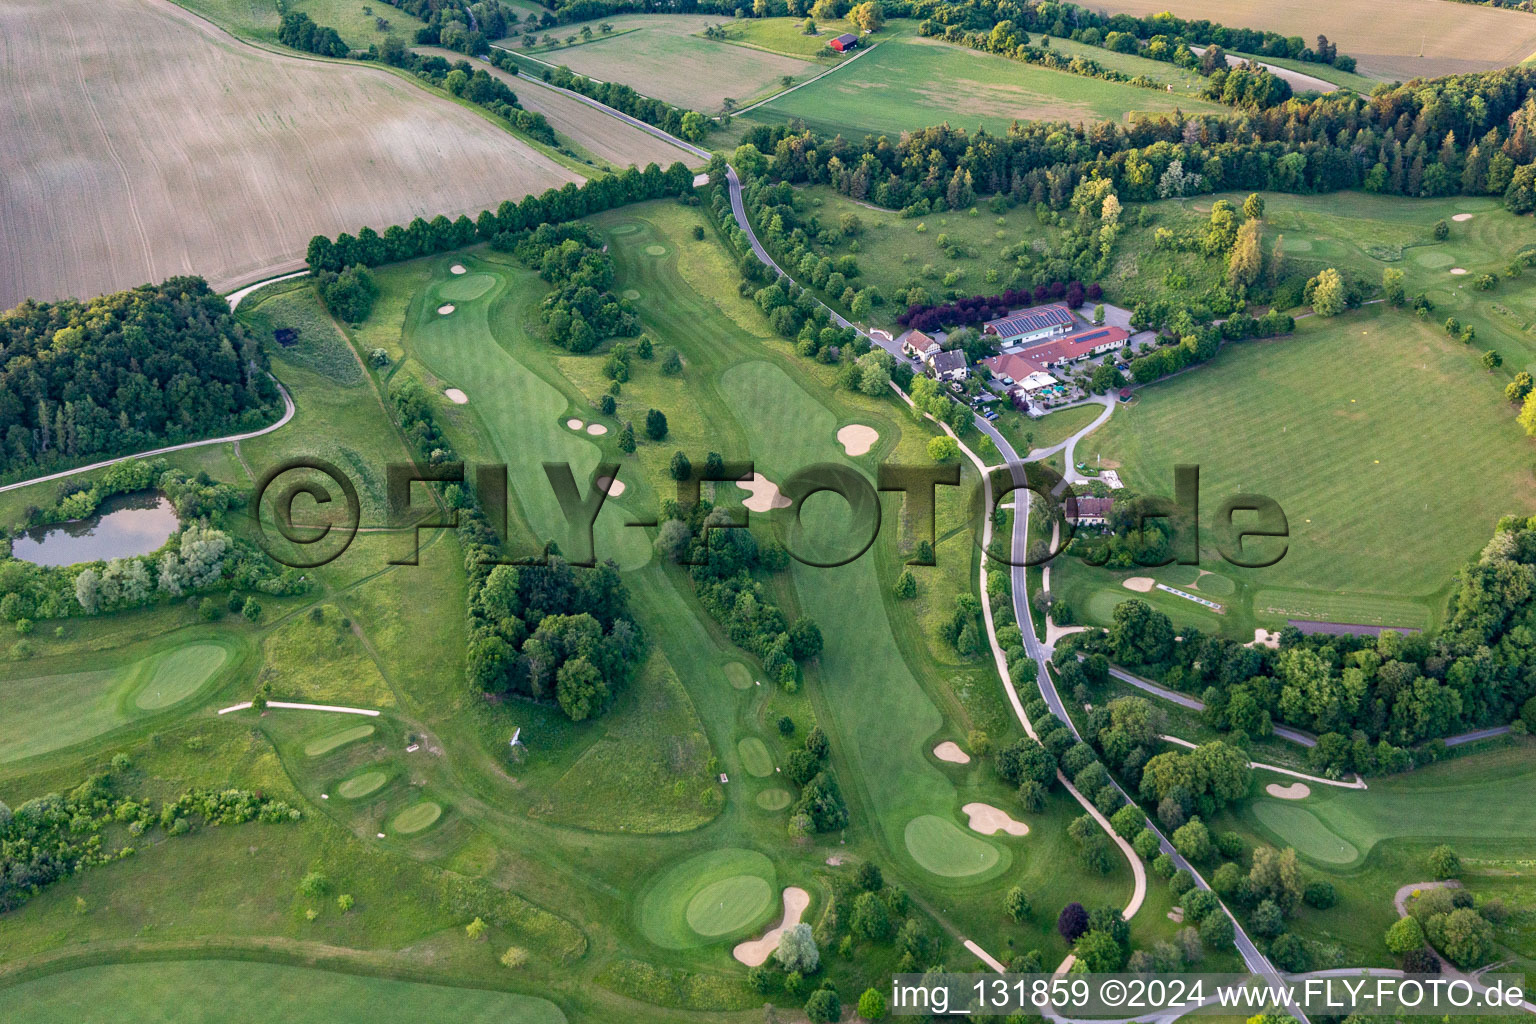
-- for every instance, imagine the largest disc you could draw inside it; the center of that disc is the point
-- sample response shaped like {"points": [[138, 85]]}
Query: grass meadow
{"points": [[907, 83]]}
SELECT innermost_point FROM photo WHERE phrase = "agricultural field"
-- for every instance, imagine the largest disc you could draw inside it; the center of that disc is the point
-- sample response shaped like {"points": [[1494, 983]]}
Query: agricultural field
{"points": [[1391, 40], [668, 57], [788, 36], [588, 134], [908, 83], [295, 146]]}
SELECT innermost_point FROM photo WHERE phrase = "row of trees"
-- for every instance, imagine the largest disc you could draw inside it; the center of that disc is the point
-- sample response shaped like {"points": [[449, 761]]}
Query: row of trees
{"points": [[298, 30], [468, 82], [423, 238], [135, 369], [685, 124]]}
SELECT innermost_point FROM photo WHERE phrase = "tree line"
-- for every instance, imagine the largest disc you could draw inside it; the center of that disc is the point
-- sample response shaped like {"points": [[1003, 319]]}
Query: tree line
{"points": [[298, 30], [135, 369], [424, 238], [1471, 134], [478, 86]]}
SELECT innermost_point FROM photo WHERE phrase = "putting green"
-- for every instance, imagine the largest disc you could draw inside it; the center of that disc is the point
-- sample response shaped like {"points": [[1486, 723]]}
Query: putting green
{"points": [[737, 673], [773, 799], [728, 905], [673, 909], [46, 709], [326, 744], [361, 785], [1213, 584], [1430, 258], [416, 817], [466, 287], [631, 294], [178, 674], [1299, 827], [942, 847], [754, 757], [655, 250]]}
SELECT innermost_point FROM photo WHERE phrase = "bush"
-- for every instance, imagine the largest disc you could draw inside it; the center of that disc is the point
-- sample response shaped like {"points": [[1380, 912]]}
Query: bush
{"points": [[1072, 922], [823, 1007], [1405, 935], [1016, 904], [1444, 863], [872, 1004], [655, 424], [1230, 845], [1320, 895], [1290, 954], [1181, 881]]}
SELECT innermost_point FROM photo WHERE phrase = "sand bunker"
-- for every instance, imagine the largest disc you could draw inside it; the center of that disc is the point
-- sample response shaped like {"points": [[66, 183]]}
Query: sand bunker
{"points": [[1176, 915], [1462, 216], [857, 439], [1458, 271], [764, 493], [445, 309], [951, 752], [457, 268], [1295, 791], [610, 485], [1265, 638], [575, 424], [755, 951], [989, 820], [456, 396], [596, 429], [1140, 584]]}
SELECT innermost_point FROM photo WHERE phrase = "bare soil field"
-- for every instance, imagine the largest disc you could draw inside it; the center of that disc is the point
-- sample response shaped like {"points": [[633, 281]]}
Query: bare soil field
{"points": [[140, 141], [1392, 39], [663, 55], [604, 137]]}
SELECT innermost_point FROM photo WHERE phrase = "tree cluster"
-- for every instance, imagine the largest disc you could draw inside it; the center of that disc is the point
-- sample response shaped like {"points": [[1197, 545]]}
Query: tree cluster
{"points": [[135, 369], [298, 30], [580, 311], [685, 124]]}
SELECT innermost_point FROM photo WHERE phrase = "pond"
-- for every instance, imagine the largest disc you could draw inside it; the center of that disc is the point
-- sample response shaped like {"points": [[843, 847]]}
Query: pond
{"points": [[123, 526]]}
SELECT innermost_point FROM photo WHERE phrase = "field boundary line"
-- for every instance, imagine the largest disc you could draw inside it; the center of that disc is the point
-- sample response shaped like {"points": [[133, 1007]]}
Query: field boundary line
{"points": [[808, 81]]}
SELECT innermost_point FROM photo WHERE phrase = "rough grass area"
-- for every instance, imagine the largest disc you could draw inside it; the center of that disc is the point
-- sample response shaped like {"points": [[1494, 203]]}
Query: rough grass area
{"points": [[1392, 39], [317, 657], [276, 149], [905, 84], [259, 19]]}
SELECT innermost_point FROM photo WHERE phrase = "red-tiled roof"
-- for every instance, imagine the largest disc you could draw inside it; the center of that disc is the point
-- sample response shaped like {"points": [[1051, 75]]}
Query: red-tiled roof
{"points": [[1047, 353]]}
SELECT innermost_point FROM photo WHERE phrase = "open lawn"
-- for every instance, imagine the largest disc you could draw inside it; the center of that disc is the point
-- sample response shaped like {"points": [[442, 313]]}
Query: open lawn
{"points": [[185, 991], [666, 56], [62, 703], [1292, 419], [153, 144], [787, 36], [905, 84], [1392, 39]]}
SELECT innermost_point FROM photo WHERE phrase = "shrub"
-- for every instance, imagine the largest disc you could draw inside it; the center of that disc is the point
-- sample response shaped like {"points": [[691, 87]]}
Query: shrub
{"points": [[655, 424], [823, 1007], [872, 1004], [1072, 922], [1444, 862], [1016, 904], [1405, 935], [1320, 895], [1181, 881]]}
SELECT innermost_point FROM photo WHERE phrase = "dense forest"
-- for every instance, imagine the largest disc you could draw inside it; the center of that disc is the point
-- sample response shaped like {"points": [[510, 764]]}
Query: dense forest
{"points": [[1367, 698], [132, 370]]}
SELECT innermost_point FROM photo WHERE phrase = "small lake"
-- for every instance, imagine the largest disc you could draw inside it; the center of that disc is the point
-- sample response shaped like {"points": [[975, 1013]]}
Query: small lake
{"points": [[126, 525]]}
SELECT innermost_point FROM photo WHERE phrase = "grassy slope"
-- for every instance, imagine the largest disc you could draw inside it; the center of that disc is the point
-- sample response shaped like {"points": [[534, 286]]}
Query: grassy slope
{"points": [[258, 19], [904, 84]]}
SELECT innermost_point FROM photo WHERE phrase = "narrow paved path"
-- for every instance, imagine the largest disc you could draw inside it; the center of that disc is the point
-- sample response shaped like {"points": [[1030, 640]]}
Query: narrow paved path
{"points": [[1358, 782], [1285, 732], [780, 95], [291, 706]]}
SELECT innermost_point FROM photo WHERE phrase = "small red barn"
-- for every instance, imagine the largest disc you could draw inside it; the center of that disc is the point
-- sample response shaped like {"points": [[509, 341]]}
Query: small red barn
{"points": [[844, 42]]}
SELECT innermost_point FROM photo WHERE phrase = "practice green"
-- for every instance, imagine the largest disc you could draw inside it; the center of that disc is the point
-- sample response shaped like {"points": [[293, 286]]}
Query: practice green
{"points": [[939, 846], [361, 785], [754, 757], [326, 744], [416, 817], [737, 673], [773, 799]]}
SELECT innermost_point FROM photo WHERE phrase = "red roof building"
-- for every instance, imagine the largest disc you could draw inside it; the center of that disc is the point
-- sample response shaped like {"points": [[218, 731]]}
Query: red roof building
{"points": [[1057, 351], [844, 42]]}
